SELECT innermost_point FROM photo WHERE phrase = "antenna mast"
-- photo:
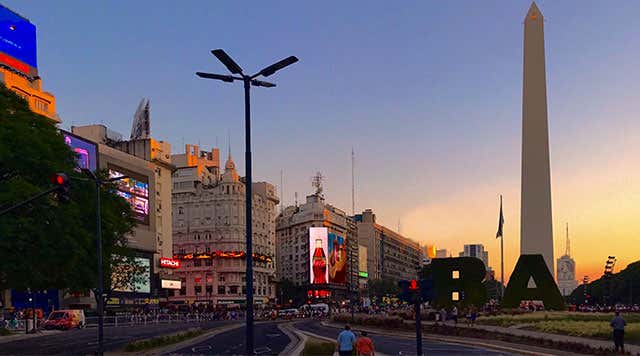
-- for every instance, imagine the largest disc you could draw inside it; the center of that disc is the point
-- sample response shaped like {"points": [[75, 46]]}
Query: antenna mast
{"points": [[281, 191], [568, 243], [353, 183], [316, 182]]}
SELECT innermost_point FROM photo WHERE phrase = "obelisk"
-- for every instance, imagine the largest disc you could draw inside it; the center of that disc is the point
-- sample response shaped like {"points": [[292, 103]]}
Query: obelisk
{"points": [[536, 231]]}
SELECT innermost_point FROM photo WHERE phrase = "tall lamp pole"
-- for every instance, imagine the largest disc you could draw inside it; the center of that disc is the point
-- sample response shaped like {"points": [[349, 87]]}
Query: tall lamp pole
{"points": [[99, 291], [248, 81]]}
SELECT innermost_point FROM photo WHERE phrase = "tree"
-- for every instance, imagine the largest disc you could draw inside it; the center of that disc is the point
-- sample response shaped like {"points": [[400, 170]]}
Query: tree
{"points": [[287, 291], [622, 287], [382, 287], [47, 244]]}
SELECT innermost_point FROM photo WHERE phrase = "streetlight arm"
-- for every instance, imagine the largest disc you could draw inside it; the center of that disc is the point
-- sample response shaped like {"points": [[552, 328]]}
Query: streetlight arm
{"points": [[223, 57], [276, 66], [224, 78]]}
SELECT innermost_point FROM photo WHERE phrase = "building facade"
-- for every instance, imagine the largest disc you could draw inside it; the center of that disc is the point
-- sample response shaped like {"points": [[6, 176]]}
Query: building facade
{"points": [[294, 248], [209, 231], [566, 270], [477, 251], [389, 254], [147, 164], [19, 65]]}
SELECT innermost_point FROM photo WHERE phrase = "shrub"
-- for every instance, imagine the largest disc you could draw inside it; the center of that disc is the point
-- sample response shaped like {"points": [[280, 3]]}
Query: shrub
{"points": [[4, 332], [162, 340], [315, 347]]}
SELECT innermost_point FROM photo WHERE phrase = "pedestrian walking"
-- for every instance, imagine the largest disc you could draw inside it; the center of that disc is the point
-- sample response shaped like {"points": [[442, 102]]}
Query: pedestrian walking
{"points": [[618, 323], [346, 341], [364, 345], [454, 315], [443, 315]]}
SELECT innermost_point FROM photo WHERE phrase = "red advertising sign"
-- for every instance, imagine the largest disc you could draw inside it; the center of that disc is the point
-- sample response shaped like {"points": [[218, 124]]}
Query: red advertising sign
{"points": [[169, 262]]}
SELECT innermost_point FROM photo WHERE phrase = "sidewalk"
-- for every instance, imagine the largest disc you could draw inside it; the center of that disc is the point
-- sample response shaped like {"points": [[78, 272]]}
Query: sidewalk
{"points": [[594, 343], [22, 336]]}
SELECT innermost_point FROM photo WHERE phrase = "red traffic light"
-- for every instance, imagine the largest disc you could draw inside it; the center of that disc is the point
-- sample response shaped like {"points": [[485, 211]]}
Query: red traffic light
{"points": [[59, 179], [413, 284]]}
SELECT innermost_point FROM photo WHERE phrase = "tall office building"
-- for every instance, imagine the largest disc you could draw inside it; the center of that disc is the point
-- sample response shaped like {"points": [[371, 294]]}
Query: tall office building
{"points": [[389, 254], [19, 63], [536, 231], [477, 251]]}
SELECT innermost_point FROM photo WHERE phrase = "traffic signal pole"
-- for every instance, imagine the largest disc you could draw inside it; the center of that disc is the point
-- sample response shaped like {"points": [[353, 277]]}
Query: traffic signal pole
{"points": [[37, 196], [418, 327]]}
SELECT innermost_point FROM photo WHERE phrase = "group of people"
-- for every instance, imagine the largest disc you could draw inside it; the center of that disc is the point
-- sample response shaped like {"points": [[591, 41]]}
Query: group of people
{"points": [[350, 345]]}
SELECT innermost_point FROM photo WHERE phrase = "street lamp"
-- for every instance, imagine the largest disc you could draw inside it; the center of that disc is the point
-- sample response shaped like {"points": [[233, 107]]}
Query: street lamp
{"points": [[248, 81], [99, 292]]}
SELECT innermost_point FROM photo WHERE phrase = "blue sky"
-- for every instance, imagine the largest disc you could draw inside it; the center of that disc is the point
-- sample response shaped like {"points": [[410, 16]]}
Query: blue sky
{"points": [[428, 94]]}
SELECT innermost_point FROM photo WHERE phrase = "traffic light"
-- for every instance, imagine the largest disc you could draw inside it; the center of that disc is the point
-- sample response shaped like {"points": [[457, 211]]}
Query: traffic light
{"points": [[408, 290], [413, 285], [61, 182]]}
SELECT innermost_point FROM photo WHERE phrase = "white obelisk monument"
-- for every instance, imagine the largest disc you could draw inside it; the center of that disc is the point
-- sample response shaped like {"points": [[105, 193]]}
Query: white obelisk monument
{"points": [[536, 230]]}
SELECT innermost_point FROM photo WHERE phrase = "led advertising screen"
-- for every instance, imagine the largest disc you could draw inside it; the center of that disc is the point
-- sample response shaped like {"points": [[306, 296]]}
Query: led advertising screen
{"points": [[318, 253], [18, 40], [86, 151], [142, 281], [337, 259], [134, 190]]}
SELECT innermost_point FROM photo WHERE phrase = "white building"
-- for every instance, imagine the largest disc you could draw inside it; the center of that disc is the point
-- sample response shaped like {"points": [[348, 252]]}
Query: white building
{"points": [[566, 270], [209, 231]]}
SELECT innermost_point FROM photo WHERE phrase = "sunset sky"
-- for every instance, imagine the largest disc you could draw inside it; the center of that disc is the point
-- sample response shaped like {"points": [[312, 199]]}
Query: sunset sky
{"points": [[428, 94]]}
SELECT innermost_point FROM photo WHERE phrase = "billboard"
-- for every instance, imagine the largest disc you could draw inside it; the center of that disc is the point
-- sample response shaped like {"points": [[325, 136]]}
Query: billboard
{"points": [[141, 281], [337, 259], [86, 151], [17, 40], [135, 190], [170, 284], [362, 260], [319, 273]]}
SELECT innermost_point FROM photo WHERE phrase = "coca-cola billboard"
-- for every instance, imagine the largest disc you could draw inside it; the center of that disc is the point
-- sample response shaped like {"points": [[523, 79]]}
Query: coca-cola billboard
{"points": [[318, 253]]}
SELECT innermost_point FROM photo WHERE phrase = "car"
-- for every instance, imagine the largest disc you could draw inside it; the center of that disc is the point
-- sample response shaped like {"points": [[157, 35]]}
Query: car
{"points": [[65, 319]]}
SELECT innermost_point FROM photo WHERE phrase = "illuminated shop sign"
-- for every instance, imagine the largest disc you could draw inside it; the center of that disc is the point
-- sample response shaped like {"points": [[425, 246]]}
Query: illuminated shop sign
{"points": [[222, 254], [18, 40], [169, 262], [170, 284]]}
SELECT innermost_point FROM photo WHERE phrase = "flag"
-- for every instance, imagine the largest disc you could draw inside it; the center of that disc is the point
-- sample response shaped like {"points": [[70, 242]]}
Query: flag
{"points": [[500, 221]]}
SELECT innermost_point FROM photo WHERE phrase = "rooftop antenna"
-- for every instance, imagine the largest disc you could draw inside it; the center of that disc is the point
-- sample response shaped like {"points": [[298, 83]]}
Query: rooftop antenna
{"points": [[296, 198], [399, 230], [229, 143], [353, 183], [316, 182], [567, 250]]}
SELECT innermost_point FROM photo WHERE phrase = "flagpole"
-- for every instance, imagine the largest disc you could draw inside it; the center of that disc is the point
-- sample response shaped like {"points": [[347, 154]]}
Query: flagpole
{"points": [[501, 256]]}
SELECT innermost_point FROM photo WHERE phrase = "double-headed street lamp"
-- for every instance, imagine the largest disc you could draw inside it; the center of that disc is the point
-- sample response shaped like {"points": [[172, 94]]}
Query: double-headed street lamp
{"points": [[248, 81], [99, 291]]}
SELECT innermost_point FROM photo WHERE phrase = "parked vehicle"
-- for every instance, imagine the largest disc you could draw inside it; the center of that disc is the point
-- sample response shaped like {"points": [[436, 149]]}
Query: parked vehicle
{"points": [[65, 319]]}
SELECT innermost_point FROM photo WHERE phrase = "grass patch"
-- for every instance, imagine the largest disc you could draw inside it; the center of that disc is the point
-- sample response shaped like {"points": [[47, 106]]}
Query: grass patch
{"points": [[162, 340], [596, 329], [533, 318], [317, 347], [4, 332]]}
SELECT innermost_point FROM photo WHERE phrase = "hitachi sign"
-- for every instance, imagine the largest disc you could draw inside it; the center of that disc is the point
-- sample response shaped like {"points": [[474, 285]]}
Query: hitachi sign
{"points": [[169, 262]]}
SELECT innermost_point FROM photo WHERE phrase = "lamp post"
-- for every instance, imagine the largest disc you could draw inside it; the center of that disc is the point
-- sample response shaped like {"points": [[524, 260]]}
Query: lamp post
{"points": [[99, 291], [248, 81]]}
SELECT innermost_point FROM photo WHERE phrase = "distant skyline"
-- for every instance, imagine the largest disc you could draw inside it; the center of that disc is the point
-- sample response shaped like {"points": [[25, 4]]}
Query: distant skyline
{"points": [[428, 94]]}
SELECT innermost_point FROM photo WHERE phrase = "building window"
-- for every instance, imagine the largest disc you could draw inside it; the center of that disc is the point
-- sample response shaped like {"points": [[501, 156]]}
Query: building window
{"points": [[197, 263], [455, 274], [221, 278], [183, 291], [208, 262], [233, 290], [209, 289], [197, 289], [455, 296], [221, 290], [180, 210]]}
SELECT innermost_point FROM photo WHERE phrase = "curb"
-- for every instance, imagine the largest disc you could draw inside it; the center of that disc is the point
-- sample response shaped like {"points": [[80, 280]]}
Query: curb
{"points": [[175, 347], [294, 347]]}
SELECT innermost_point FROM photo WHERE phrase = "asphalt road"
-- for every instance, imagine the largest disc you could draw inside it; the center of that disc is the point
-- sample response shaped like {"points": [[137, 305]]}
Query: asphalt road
{"points": [[393, 345], [85, 341], [268, 340]]}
